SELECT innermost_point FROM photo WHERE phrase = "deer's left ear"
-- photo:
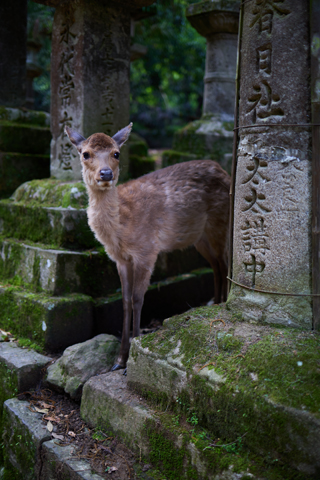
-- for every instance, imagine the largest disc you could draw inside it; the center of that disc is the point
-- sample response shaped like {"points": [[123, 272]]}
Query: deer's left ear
{"points": [[122, 136]]}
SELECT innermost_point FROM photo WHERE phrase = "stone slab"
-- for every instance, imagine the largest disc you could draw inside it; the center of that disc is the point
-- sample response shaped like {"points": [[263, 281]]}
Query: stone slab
{"points": [[82, 361], [24, 365], [60, 462], [23, 435], [210, 137], [24, 116], [52, 322], [58, 272], [164, 366], [58, 226]]}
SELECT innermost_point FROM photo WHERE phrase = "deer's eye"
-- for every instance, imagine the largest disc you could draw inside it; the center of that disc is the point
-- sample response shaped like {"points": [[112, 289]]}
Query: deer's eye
{"points": [[86, 155], [116, 155]]}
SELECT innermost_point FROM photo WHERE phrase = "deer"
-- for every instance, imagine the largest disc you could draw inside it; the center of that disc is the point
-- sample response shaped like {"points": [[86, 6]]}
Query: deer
{"points": [[172, 208]]}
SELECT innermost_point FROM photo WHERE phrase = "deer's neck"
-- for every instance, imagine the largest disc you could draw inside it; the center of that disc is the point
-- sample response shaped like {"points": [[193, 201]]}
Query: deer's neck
{"points": [[104, 219]]}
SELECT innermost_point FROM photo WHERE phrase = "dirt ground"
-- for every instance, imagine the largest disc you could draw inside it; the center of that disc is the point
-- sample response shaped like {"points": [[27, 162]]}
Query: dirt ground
{"points": [[106, 454]]}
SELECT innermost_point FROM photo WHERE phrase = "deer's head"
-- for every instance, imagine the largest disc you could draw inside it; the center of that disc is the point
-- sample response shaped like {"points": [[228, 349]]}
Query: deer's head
{"points": [[99, 156]]}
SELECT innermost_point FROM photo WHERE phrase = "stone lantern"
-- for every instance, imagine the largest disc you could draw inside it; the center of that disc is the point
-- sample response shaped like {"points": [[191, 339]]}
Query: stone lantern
{"points": [[212, 135]]}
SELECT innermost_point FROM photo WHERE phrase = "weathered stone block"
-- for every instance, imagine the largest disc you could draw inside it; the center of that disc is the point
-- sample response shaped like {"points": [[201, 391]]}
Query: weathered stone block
{"points": [[23, 435], [82, 361], [61, 462], [140, 166], [53, 322], [240, 379], [209, 137], [58, 272], [61, 227], [17, 168]]}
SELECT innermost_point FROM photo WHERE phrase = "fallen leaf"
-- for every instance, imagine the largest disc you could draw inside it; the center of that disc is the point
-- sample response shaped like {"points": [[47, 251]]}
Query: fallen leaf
{"points": [[72, 434], [49, 426], [41, 410], [52, 419], [112, 469], [59, 437]]}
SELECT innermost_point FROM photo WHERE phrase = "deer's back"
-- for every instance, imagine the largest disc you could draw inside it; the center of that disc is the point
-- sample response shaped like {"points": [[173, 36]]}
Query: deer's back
{"points": [[172, 207]]}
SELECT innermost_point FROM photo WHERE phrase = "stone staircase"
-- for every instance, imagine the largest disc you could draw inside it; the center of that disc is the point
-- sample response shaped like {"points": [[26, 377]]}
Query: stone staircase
{"points": [[207, 396], [58, 287]]}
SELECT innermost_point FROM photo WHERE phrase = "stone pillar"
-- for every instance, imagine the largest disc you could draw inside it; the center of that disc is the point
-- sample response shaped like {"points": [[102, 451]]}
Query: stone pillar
{"points": [[272, 216], [13, 51], [212, 135], [219, 25], [90, 76]]}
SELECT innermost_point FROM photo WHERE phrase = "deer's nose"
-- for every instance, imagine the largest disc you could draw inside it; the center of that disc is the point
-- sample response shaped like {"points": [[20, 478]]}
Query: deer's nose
{"points": [[106, 174]]}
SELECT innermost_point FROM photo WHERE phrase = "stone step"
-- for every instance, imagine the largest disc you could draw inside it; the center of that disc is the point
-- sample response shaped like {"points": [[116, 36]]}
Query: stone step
{"points": [[20, 370], [54, 323], [30, 453], [173, 443], [61, 227], [238, 380], [57, 322], [60, 272]]}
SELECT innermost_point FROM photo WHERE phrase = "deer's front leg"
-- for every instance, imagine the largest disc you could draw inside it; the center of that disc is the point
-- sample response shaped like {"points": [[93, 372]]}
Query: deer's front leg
{"points": [[126, 276]]}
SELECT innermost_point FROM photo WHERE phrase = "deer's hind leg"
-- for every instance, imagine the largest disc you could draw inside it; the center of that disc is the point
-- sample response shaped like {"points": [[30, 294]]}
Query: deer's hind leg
{"points": [[218, 265], [125, 271], [141, 279]]}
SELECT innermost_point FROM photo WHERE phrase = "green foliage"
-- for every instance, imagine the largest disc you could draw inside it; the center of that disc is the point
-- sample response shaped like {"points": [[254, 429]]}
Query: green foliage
{"points": [[167, 84], [40, 19]]}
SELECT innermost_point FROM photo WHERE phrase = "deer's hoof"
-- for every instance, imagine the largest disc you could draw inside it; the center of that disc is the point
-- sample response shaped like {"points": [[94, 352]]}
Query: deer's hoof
{"points": [[117, 366]]}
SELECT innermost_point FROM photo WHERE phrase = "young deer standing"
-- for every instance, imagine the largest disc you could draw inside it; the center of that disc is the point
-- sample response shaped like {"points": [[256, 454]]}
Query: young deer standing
{"points": [[181, 205]]}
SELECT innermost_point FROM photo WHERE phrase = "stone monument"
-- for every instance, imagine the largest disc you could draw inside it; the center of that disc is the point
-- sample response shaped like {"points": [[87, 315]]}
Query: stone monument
{"points": [[212, 135], [272, 215], [90, 75]]}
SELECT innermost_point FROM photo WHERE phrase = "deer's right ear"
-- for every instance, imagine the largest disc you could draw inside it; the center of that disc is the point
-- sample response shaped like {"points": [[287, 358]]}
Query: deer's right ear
{"points": [[74, 137]]}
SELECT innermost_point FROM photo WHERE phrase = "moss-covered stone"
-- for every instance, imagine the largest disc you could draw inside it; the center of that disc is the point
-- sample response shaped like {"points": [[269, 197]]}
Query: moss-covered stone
{"points": [[209, 137], [243, 381], [140, 165], [52, 193], [52, 322], [57, 272], [53, 226], [23, 116]]}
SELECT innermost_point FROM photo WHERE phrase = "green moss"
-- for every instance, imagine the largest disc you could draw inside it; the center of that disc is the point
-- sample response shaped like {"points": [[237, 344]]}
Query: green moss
{"points": [[163, 452], [52, 193], [29, 344]]}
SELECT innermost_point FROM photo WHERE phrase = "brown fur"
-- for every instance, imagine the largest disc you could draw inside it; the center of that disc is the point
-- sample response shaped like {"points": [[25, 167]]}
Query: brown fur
{"points": [[185, 204]]}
